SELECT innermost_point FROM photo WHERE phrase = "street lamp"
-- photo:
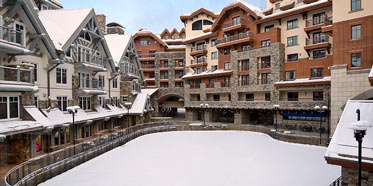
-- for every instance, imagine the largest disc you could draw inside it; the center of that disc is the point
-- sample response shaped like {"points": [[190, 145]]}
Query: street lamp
{"points": [[360, 128], [276, 107], [321, 110], [204, 106], [73, 110], [128, 107]]}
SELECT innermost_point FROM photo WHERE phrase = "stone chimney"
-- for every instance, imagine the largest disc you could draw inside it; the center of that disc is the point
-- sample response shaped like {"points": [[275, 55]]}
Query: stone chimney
{"points": [[101, 19], [115, 28]]}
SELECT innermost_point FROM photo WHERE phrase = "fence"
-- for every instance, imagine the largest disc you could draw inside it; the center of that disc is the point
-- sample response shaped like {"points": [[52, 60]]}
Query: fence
{"points": [[38, 170]]}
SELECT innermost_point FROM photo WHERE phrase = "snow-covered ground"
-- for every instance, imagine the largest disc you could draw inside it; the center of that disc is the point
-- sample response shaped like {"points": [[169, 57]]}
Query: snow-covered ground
{"points": [[219, 158]]}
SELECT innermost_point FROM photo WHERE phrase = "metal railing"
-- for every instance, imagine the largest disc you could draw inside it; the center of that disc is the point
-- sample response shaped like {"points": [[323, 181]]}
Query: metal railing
{"points": [[233, 23], [163, 65], [147, 66], [234, 37], [264, 65], [90, 58], [40, 169], [319, 21], [245, 82], [337, 182], [11, 35], [16, 74], [318, 40], [199, 48], [91, 84], [199, 60]]}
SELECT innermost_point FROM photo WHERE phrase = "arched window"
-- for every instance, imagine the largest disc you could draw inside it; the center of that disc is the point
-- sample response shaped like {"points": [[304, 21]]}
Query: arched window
{"points": [[197, 25], [207, 22]]}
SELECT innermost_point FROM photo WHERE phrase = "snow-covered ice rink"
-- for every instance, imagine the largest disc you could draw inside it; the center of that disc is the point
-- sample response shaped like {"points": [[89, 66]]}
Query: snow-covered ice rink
{"points": [[216, 158]]}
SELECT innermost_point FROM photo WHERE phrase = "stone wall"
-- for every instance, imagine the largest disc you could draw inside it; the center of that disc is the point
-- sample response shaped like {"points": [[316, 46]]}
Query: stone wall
{"points": [[349, 177], [101, 20], [345, 85]]}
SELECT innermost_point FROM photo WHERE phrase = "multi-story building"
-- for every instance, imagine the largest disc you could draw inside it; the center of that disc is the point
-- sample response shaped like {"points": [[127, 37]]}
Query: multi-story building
{"points": [[249, 60], [162, 59]]}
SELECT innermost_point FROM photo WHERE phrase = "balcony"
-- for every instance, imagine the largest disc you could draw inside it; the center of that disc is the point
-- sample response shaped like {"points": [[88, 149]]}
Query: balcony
{"points": [[233, 25], [316, 43], [147, 57], [199, 62], [287, 6], [89, 86], [163, 66], [309, 1], [16, 40], [16, 79], [199, 50], [328, 25], [235, 39], [195, 86], [317, 24]]}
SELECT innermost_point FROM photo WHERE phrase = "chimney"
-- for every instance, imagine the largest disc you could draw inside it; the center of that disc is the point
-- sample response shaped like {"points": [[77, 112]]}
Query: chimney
{"points": [[115, 28], [101, 19]]}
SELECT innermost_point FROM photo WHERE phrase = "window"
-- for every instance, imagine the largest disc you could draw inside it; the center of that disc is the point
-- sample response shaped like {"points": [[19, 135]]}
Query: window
{"points": [[249, 97], [227, 51], [245, 65], [269, 27], [319, 54], [85, 103], [264, 78], [293, 41], [356, 32], [355, 5], [84, 80], [115, 101], [44, 7], [292, 24], [198, 98], [62, 103], [200, 70], [101, 82], [316, 73], [236, 21], [267, 96], [145, 42], [214, 55], [68, 53], [115, 83], [227, 82], [102, 101], [293, 57], [245, 80], [318, 96], [292, 96], [245, 47], [165, 75], [197, 25], [214, 68], [266, 43], [290, 75], [166, 37], [299, 1], [20, 35], [61, 76], [216, 97], [356, 60], [319, 37], [277, 6], [213, 42], [85, 36], [152, 53], [9, 107], [207, 22], [227, 66], [179, 74], [319, 18], [265, 62], [84, 54]]}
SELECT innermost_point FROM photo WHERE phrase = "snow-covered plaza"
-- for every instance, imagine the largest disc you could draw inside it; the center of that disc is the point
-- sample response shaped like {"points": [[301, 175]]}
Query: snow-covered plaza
{"points": [[218, 158]]}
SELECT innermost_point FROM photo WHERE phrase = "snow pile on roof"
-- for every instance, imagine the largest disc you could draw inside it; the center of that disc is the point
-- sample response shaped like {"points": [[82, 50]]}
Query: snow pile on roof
{"points": [[150, 92], [295, 9], [17, 126], [172, 40], [371, 73], [176, 46], [61, 24], [139, 105], [117, 45], [305, 80], [192, 74], [343, 145], [255, 9], [198, 36]]}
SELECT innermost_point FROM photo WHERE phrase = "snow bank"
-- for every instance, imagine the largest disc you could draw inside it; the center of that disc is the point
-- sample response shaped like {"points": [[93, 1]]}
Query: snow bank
{"points": [[216, 158]]}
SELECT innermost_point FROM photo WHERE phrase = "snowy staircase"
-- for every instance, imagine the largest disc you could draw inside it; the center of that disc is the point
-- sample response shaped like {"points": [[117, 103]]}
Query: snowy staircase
{"points": [[337, 182]]}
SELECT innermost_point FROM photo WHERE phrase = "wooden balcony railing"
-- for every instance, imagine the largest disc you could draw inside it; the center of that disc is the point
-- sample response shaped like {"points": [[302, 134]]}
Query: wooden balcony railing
{"points": [[235, 37], [199, 48]]}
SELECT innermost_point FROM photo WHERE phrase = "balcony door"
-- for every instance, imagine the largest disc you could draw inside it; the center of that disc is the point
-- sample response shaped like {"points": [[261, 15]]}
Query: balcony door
{"points": [[319, 18], [84, 53]]}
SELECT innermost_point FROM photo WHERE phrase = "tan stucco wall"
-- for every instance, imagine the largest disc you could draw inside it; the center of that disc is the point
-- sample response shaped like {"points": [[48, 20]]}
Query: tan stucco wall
{"points": [[341, 12]]}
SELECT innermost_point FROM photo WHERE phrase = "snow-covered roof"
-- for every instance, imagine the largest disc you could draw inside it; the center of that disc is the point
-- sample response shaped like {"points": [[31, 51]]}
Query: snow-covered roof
{"points": [[305, 80], [256, 9], [139, 105], [192, 74], [117, 45], [343, 145], [198, 36], [176, 46], [17, 87], [16, 126], [150, 92], [295, 9], [61, 24], [172, 40]]}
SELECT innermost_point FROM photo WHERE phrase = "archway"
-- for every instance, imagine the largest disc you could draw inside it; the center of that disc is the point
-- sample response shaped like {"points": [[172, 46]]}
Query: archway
{"points": [[171, 105]]}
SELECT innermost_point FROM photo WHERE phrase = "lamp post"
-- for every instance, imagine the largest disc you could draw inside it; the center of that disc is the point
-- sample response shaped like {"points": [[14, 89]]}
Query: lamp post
{"points": [[360, 128], [128, 107], [276, 107], [321, 110], [73, 110], [204, 106]]}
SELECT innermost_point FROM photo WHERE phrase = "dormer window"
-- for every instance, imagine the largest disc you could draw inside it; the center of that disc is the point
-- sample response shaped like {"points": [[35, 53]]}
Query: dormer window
{"points": [[44, 7], [166, 37], [20, 35], [277, 6], [86, 36]]}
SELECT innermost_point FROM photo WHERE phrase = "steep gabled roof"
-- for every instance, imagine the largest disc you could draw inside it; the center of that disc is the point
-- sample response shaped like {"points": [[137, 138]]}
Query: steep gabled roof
{"points": [[62, 24], [197, 12], [117, 44], [150, 34], [165, 31], [174, 31], [254, 11]]}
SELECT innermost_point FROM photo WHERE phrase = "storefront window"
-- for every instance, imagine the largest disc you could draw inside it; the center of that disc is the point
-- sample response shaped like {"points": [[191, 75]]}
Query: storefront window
{"points": [[38, 144]]}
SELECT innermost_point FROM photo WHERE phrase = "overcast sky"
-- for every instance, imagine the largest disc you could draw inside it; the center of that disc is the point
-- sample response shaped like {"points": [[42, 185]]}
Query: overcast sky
{"points": [[155, 15]]}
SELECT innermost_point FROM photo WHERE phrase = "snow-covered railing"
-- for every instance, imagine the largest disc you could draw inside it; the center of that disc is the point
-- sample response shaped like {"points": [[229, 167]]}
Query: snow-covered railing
{"points": [[38, 170]]}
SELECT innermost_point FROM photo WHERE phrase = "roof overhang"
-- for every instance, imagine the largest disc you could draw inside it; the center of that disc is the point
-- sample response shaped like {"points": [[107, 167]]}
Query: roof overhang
{"points": [[195, 13]]}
